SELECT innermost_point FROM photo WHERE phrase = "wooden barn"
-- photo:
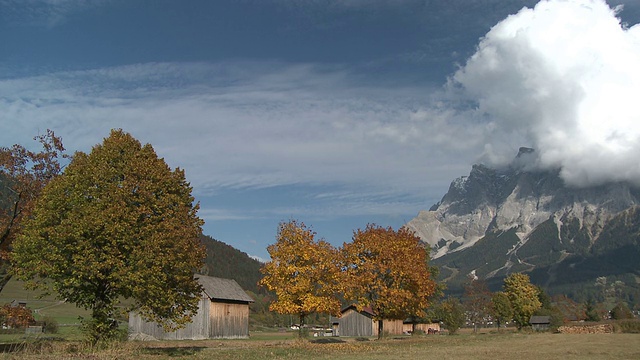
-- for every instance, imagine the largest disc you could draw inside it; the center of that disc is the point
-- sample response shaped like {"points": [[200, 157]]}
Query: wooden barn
{"points": [[223, 313], [362, 323], [540, 323], [427, 328]]}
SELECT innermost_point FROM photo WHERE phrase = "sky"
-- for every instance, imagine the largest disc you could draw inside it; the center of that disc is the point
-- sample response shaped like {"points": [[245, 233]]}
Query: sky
{"points": [[336, 113]]}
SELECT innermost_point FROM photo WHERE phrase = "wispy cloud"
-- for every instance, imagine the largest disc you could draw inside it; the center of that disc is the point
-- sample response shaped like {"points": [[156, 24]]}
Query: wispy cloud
{"points": [[48, 13], [245, 125]]}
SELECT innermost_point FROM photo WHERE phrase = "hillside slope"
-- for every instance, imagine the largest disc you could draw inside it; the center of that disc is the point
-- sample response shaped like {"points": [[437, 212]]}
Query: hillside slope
{"points": [[228, 262]]}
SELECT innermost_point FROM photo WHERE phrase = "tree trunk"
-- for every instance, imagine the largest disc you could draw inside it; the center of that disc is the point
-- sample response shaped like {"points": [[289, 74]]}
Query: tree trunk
{"points": [[380, 329], [302, 331]]}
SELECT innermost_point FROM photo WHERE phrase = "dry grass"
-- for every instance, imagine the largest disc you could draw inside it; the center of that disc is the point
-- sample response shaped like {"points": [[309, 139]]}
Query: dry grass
{"points": [[474, 347]]}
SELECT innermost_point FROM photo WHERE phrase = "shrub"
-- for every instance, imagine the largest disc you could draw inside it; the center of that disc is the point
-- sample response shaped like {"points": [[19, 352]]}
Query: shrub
{"points": [[50, 325], [621, 311], [627, 326]]}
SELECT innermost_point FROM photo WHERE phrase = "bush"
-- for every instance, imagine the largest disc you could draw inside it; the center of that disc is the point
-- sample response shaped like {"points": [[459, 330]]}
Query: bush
{"points": [[50, 325], [627, 326], [621, 311]]}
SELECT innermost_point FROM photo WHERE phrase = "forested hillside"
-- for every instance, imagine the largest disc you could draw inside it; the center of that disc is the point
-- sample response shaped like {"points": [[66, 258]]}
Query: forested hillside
{"points": [[228, 262]]}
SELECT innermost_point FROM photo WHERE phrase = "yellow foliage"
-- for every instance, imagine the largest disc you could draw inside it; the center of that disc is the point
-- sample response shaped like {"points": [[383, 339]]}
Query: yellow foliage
{"points": [[302, 272]]}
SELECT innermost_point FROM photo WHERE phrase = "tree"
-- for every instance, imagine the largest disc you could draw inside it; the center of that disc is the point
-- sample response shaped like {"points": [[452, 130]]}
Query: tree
{"points": [[117, 224], [15, 317], [621, 311], [476, 301], [523, 297], [389, 272], [302, 272], [501, 309], [591, 311], [548, 308], [451, 313], [23, 175]]}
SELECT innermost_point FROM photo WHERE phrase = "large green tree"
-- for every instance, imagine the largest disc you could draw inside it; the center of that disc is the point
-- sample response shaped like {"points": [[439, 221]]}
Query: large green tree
{"points": [[523, 297], [23, 175], [501, 309], [303, 273], [389, 271], [117, 224]]}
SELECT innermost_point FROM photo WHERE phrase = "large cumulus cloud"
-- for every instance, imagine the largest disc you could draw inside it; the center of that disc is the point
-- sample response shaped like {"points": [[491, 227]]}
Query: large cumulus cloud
{"points": [[564, 75]]}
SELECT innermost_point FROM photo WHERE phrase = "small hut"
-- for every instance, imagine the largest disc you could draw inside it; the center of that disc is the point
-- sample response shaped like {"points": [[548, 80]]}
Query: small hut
{"points": [[540, 323], [362, 323], [223, 313]]}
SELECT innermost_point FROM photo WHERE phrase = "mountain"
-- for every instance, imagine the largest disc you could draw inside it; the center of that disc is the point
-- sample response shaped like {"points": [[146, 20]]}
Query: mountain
{"points": [[228, 262], [519, 219]]}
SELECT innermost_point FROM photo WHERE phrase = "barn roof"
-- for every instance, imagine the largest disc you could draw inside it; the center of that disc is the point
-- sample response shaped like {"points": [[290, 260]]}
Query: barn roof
{"points": [[223, 289], [365, 310], [540, 320]]}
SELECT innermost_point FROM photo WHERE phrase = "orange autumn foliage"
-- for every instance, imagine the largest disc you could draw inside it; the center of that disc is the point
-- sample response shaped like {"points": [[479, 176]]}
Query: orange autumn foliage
{"points": [[389, 272]]}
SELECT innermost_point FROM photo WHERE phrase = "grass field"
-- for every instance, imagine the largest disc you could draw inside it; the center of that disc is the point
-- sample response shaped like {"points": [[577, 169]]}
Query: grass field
{"points": [[268, 345], [283, 346], [64, 313]]}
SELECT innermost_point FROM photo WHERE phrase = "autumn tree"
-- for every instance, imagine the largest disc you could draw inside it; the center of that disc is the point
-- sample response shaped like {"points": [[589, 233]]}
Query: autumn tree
{"points": [[303, 273], [23, 175], [523, 297], [389, 272], [117, 224], [501, 309], [476, 301], [16, 316]]}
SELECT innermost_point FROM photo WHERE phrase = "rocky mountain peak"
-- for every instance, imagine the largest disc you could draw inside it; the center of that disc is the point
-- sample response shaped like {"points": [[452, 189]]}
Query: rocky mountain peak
{"points": [[517, 211]]}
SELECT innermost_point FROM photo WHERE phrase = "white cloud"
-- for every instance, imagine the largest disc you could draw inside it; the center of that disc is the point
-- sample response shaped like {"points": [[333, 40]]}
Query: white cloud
{"points": [[252, 126], [563, 75]]}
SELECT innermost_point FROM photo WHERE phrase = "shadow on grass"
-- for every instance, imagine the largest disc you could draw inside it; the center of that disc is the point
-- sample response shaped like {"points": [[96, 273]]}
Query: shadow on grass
{"points": [[327, 341], [28, 343], [12, 347], [174, 351]]}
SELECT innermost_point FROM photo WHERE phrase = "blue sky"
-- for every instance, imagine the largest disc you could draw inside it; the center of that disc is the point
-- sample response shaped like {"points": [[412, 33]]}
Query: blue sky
{"points": [[337, 113]]}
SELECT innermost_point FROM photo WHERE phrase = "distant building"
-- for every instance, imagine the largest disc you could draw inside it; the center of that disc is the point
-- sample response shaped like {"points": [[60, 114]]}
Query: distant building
{"points": [[223, 313], [540, 323], [362, 323]]}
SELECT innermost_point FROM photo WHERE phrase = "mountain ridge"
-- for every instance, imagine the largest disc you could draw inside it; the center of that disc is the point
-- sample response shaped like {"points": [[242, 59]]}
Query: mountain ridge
{"points": [[518, 218]]}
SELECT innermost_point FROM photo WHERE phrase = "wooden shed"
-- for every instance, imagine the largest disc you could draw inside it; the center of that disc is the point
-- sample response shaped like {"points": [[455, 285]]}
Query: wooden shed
{"points": [[362, 323], [223, 313], [427, 328], [540, 323]]}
